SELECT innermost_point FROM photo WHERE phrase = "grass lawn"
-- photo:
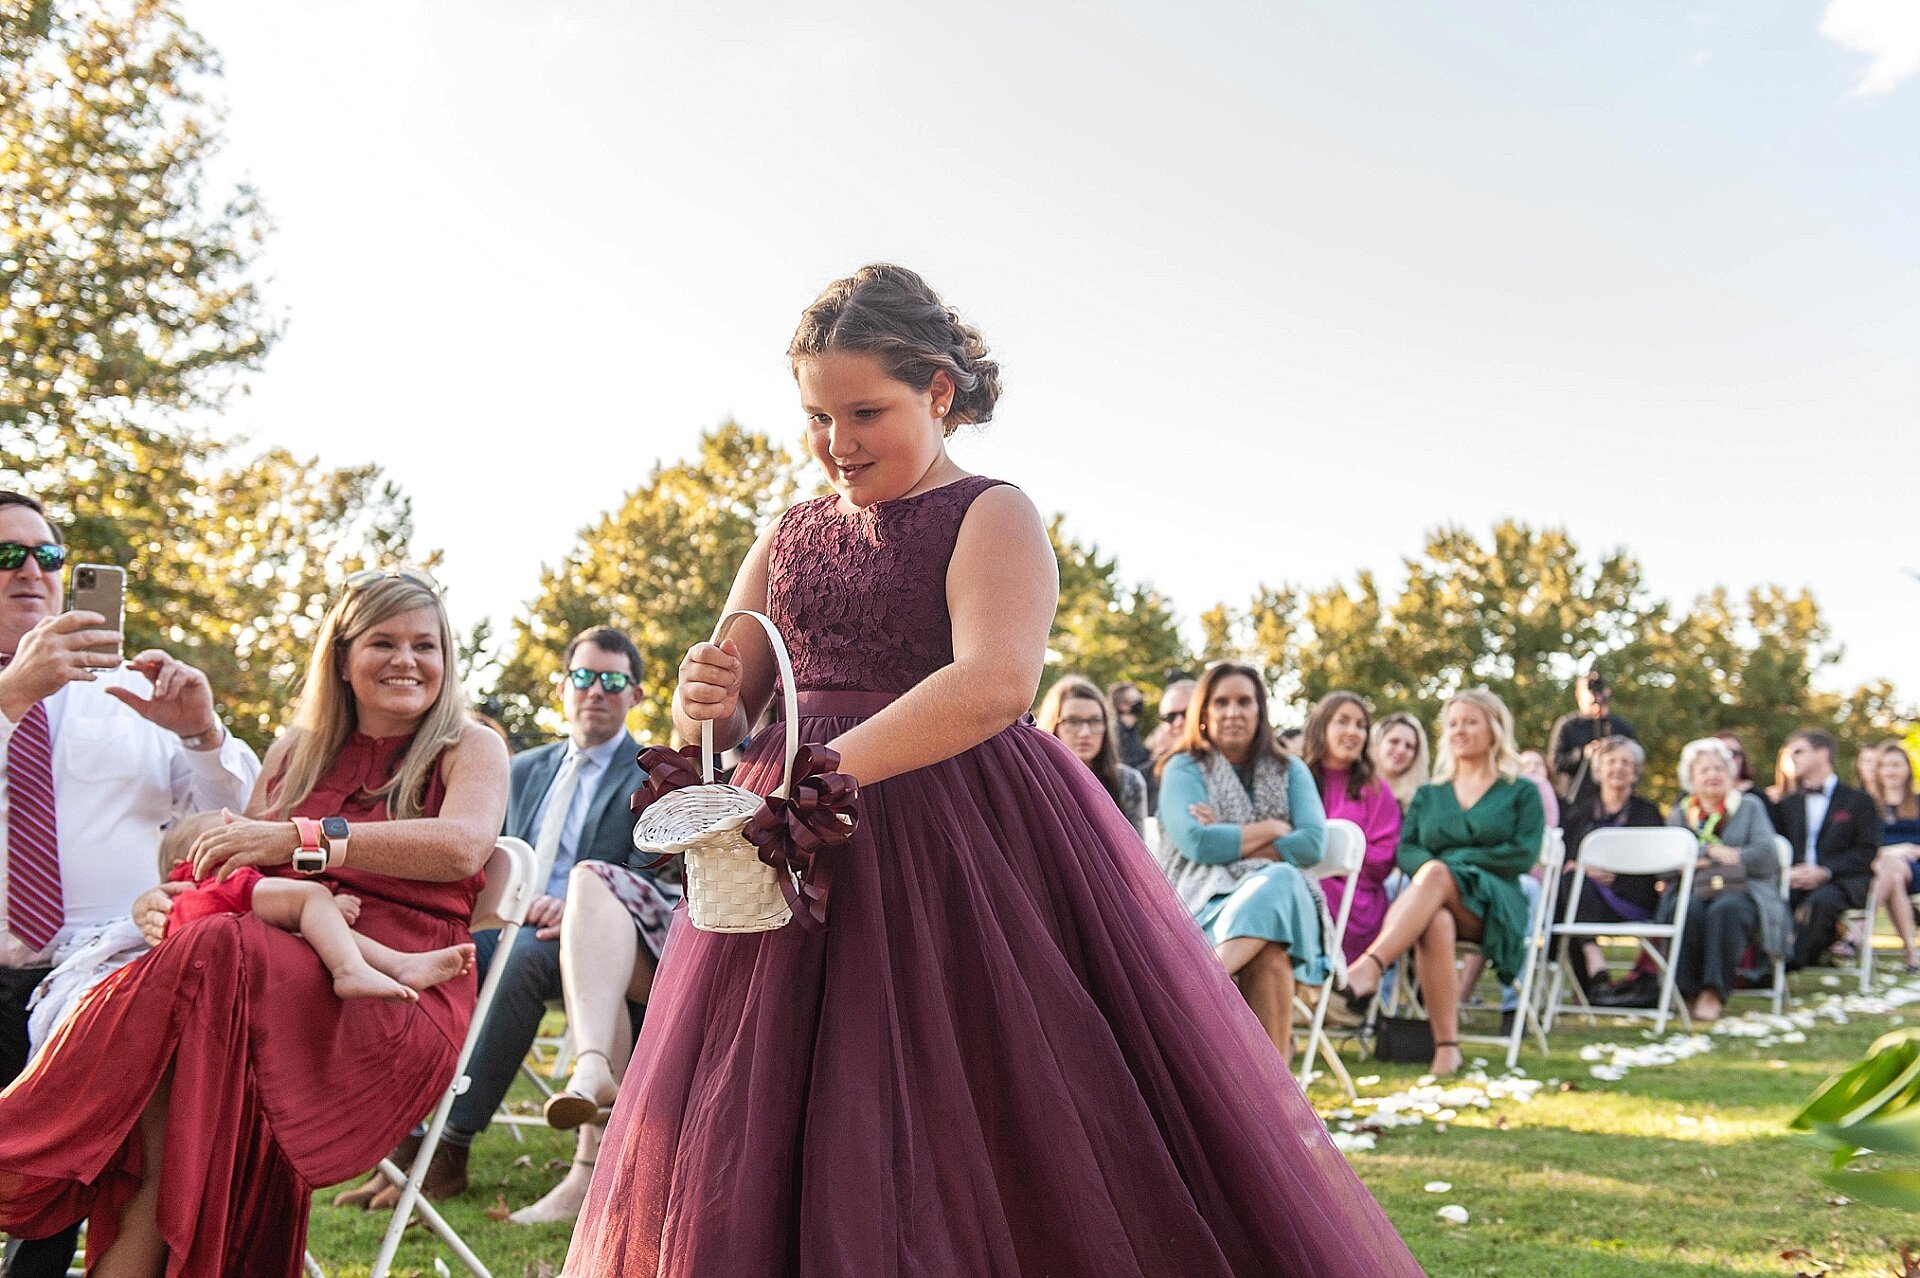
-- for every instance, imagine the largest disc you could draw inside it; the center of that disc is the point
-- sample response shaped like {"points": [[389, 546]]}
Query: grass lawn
{"points": [[1675, 1171]]}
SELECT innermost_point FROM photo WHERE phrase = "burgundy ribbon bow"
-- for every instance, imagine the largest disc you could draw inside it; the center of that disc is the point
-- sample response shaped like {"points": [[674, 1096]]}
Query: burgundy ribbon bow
{"points": [[667, 771], [795, 833]]}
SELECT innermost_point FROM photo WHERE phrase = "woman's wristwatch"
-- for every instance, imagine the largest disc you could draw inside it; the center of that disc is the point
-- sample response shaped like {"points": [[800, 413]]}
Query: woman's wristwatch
{"points": [[309, 857], [334, 832], [323, 844]]}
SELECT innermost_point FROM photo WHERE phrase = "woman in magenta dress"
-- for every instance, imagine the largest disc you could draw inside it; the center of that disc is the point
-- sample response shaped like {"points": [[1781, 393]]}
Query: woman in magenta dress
{"points": [[1011, 1052], [1335, 750], [191, 1103]]}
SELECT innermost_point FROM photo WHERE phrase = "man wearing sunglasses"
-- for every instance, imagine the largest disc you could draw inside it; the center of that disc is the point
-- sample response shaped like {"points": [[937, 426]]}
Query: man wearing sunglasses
{"points": [[568, 800], [96, 758]]}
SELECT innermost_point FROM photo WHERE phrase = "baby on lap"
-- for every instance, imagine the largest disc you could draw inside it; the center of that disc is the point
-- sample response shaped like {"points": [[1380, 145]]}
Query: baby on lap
{"points": [[362, 967]]}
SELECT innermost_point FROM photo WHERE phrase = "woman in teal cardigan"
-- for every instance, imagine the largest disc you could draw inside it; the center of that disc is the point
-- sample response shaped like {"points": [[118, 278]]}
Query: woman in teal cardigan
{"points": [[1466, 841], [1238, 821]]}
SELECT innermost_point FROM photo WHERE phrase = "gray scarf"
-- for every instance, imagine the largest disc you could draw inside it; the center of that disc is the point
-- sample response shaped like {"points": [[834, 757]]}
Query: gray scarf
{"points": [[1197, 882]]}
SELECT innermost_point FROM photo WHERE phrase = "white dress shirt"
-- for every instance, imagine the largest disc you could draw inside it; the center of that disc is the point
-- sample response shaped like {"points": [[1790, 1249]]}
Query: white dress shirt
{"points": [[593, 767], [1817, 804], [118, 782]]}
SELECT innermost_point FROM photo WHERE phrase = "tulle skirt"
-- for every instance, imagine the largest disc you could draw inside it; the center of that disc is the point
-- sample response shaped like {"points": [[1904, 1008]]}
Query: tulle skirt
{"points": [[1012, 1053]]}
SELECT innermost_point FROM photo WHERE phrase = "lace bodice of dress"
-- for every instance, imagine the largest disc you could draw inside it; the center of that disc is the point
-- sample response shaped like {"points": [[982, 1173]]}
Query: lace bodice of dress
{"points": [[861, 596]]}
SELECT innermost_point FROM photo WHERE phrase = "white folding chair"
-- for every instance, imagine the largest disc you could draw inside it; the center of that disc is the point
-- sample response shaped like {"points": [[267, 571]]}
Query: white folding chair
{"points": [[1344, 851], [1526, 1011], [1867, 918], [1630, 850], [513, 880]]}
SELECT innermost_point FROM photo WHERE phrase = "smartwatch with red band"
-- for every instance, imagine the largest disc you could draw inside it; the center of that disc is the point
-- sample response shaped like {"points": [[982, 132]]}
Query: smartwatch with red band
{"points": [[309, 857]]}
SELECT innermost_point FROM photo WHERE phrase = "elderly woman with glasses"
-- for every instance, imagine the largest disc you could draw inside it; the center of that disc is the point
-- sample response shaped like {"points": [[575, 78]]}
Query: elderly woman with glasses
{"points": [[191, 1103], [1734, 831], [1075, 711]]}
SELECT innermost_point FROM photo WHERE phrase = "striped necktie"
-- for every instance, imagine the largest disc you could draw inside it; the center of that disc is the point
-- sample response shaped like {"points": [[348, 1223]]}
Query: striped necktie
{"points": [[35, 910]]}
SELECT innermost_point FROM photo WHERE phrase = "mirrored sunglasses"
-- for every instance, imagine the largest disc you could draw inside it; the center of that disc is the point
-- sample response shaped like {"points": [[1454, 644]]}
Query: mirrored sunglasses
{"points": [[611, 680], [13, 554]]}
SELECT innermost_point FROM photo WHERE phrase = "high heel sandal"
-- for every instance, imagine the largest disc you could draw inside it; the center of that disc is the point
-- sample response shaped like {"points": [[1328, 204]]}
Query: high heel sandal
{"points": [[567, 1109], [1358, 1002]]}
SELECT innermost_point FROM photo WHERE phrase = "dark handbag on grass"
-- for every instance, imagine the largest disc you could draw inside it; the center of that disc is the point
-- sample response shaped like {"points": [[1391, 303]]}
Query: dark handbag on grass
{"points": [[1405, 1039], [1711, 879]]}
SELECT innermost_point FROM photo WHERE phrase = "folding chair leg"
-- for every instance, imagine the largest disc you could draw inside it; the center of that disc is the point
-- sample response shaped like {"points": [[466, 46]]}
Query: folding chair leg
{"points": [[431, 1217], [1866, 946], [1319, 1045], [409, 1181], [312, 1267]]}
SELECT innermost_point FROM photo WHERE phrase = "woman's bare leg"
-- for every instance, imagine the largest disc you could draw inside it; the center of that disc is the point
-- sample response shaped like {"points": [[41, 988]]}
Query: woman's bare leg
{"points": [[138, 1251], [1237, 951], [1431, 889], [597, 943], [602, 968], [1266, 982], [1892, 878], [1440, 988]]}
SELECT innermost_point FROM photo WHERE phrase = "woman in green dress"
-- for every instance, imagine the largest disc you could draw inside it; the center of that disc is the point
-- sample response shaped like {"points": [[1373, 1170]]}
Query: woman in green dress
{"points": [[1466, 841]]}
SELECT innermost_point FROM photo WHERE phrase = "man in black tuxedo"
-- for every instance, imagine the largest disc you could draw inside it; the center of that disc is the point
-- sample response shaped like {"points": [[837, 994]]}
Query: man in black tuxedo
{"points": [[568, 800], [1835, 832]]}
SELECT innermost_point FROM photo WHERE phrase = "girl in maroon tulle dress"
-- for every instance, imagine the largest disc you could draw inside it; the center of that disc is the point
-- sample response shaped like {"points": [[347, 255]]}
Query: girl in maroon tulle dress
{"points": [[1010, 1052]]}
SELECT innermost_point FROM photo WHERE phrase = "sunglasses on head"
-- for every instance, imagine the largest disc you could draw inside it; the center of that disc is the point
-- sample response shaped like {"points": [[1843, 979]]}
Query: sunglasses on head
{"points": [[13, 554], [611, 680], [368, 576]]}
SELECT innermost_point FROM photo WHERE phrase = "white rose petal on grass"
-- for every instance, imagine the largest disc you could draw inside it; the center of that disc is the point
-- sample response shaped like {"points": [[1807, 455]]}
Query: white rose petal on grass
{"points": [[1439, 1186], [1453, 1214]]}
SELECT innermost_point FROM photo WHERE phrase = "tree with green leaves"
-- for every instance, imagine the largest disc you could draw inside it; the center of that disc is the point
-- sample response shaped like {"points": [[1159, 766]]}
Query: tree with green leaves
{"points": [[128, 315], [1523, 613], [658, 567], [1105, 628], [126, 296]]}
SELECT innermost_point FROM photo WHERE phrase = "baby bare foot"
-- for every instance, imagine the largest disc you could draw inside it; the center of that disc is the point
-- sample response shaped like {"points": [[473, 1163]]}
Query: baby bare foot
{"points": [[363, 981], [349, 907], [426, 970]]}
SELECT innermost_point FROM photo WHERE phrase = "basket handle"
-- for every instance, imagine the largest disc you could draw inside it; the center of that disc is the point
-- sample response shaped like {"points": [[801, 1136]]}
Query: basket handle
{"points": [[791, 698]]}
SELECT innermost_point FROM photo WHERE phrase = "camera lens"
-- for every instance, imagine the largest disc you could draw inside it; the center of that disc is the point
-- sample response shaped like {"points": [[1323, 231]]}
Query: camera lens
{"points": [[86, 576]]}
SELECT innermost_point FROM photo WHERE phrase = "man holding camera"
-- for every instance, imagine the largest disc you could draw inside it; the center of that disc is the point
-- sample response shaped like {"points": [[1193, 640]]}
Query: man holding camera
{"points": [[97, 756], [1576, 738]]}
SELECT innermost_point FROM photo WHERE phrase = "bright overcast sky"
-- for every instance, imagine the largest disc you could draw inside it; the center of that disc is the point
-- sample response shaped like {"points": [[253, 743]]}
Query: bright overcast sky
{"points": [[1276, 286]]}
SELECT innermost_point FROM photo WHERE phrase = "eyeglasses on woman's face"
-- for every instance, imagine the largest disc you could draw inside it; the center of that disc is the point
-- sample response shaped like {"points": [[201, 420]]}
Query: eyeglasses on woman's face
{"points": [[1083, 723]]}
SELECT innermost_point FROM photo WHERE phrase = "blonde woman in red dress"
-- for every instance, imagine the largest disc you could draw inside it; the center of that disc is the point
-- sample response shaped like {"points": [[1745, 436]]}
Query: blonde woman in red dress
{"points": [[193, 1101]]}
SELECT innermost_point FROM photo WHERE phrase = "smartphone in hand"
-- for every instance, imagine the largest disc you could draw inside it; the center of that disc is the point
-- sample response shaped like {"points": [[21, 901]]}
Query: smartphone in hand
{"points": [[101, 588]]}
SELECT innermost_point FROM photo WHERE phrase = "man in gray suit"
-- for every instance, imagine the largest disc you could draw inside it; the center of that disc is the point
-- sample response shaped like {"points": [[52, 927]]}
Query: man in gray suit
{"points": [[568, 800]]}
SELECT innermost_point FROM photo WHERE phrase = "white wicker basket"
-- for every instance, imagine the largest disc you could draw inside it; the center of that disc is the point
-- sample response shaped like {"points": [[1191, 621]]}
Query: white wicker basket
{"points": [[729, 889]]}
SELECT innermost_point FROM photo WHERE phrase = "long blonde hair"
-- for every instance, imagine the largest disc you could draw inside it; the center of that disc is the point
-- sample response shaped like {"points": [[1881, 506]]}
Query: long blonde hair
{"points": [[1505, 756], [327, 715]]}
